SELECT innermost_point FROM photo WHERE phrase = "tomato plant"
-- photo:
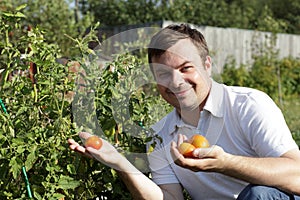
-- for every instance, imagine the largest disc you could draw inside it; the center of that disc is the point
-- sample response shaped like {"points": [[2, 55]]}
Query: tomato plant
{"points": [[40, 116]]}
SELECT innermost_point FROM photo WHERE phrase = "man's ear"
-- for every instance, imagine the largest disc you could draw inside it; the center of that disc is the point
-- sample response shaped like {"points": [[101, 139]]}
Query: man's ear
{"points": [[208, 65]]}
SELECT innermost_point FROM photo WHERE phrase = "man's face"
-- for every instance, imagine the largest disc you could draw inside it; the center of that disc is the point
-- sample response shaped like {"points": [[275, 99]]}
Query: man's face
{"points": [[182, 79]]}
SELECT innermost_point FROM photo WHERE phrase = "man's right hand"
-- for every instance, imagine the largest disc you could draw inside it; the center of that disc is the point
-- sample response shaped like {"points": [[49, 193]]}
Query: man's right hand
{"points": [[107, 154]]}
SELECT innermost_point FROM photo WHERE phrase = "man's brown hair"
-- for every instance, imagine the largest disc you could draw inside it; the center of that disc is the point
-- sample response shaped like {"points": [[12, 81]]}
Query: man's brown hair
{"points": [[170, 35]]}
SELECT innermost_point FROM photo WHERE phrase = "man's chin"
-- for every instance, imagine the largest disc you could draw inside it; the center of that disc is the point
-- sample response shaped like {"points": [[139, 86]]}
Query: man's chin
{"points": [[188, 108]]}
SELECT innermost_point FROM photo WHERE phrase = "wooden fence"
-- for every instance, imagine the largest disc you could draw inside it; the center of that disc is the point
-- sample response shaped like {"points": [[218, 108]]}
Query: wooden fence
{"points": [[224, 43]]}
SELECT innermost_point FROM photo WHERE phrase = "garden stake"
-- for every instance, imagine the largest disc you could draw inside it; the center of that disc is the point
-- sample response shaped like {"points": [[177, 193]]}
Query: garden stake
{"points": [[23, 168], [3, 106], [26, 182]]}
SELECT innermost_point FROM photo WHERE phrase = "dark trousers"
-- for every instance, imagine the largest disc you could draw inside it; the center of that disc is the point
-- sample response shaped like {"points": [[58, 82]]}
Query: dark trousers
{"points": [[259, 192]]}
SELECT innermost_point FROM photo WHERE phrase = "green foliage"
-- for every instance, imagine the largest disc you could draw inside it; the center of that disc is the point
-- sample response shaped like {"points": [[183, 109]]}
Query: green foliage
{"points": [[268, 15], [279, 78], [287, 12], [55, 18], [235, 76], [42, 115], [34, 130], [291, 112], [119, 12]]}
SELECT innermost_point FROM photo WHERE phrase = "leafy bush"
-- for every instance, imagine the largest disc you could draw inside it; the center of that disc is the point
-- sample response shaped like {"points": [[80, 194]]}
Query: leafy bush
{"points": [[37, 123], [42, 114]]}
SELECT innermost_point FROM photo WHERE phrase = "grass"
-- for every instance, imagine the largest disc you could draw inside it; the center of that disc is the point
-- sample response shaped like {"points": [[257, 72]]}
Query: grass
{"points": [[291, 112]]}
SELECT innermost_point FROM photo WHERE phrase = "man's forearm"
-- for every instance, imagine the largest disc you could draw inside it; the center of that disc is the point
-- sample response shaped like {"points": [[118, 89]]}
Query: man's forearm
{"points": [[139, 185], [283, 172]]}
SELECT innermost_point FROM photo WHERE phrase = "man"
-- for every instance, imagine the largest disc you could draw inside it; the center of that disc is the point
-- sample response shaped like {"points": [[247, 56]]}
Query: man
{"points": [[253, 155]]}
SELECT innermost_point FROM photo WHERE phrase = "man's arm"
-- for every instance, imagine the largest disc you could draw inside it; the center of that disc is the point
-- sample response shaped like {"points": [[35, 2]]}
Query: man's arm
{"points": [[172, 191], [281, 172], [139, 185], [143, 189]]}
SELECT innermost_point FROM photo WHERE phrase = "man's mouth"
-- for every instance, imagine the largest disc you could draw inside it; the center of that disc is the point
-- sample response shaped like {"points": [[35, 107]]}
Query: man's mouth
{"points": [[179, 93]]}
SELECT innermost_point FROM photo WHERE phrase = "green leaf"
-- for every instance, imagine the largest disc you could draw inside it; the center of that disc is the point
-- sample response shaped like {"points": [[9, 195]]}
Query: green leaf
{"points": [[21, 15], [21, 7], [57, 196], [17, 141], [37, 195], [71, 169], [66, 182], [31, 158], [148, 139], [7, 194], [20, 149], [11, 131], [8, 14], [16, 165], [18, 14]]}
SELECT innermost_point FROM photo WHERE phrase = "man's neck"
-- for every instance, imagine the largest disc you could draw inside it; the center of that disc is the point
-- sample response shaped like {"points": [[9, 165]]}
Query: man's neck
{"points": [[190, 117]]}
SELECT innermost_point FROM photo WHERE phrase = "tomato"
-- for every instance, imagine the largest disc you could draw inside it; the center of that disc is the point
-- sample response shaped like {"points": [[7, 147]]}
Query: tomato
{"points": [[199, 141], [94, 142], [186, 149]]}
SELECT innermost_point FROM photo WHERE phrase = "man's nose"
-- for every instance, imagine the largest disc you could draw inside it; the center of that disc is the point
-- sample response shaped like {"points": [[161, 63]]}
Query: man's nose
{"points": [[176, 79]]}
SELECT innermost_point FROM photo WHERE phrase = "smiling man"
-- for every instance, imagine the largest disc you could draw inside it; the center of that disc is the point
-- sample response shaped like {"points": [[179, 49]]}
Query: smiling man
{"points": [[183, 78], [253, 154]]}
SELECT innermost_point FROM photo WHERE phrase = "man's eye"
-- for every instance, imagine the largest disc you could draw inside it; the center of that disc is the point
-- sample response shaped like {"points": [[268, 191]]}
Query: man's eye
{"points": [[185, 69]]}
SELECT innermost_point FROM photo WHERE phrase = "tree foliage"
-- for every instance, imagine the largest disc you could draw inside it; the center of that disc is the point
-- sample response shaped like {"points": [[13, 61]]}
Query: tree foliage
{"points": [[267, 15], [55, 18]]}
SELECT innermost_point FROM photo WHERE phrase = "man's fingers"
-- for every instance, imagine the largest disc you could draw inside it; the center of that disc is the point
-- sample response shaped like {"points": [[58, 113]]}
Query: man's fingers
{"points": [[73, 145], [80, 149], [181, 139], [71, 141], [84, 135], [202, 152], [83, 151], [174, 151]]}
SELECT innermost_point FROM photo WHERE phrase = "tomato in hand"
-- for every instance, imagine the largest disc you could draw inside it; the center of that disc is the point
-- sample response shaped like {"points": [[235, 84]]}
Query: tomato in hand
{"points": [[94, 142], [196, 141], [186, 149], [199, 141]]}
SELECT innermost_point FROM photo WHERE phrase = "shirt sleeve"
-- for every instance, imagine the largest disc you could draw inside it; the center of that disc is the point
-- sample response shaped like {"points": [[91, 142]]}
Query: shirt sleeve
{"points": [[265, 127]]}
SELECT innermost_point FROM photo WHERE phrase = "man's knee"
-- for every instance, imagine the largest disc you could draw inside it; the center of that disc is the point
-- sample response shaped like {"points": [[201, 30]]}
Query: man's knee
{"points": [[259, 192]]}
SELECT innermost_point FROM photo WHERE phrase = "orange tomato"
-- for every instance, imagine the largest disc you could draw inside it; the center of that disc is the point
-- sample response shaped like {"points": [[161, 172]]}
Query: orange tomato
{"points": [[199, 141], [94, 142], [186, 149]]}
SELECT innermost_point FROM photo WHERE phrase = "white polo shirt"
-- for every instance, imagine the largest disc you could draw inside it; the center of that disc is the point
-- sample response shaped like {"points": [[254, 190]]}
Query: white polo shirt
{"points": [[243, 121]]}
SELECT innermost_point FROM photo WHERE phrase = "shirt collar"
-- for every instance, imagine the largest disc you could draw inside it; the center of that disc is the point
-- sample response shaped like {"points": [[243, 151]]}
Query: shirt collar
{"points": [[214, 105], [169, 123], [176, 122]]}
